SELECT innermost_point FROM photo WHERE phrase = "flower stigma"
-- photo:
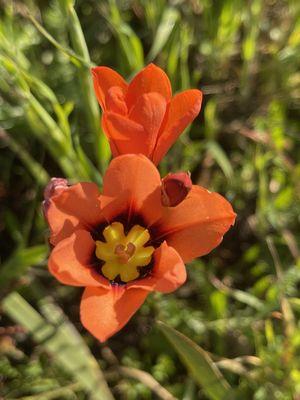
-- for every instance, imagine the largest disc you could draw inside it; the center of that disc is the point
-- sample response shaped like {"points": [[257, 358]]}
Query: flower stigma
{"points": [[123, 254]]}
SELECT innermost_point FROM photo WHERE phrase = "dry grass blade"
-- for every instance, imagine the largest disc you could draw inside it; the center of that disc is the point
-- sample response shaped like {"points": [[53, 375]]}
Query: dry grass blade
{"points": [[148, 381], [287, 313]]}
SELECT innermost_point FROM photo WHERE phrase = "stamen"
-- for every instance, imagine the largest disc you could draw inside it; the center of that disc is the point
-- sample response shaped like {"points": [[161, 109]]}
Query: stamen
{"points": [[124, 255]]}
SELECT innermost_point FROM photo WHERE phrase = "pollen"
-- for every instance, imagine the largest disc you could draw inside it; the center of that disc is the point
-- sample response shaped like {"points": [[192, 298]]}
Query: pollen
{"points": [[124, 254]]}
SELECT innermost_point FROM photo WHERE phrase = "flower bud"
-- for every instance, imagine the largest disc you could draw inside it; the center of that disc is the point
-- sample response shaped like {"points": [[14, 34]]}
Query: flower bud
{"points": [[175, 188], [54, 187]]}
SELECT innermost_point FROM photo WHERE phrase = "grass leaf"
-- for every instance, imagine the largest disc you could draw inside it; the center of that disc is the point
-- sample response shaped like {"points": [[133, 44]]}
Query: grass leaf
{"points": [[164, 30], [60, 338], [220, 157], [19, 261], [198, 363]]}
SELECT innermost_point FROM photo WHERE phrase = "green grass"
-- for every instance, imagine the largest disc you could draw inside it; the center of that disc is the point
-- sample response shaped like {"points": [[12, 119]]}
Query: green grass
{"points": [[241, 303]]}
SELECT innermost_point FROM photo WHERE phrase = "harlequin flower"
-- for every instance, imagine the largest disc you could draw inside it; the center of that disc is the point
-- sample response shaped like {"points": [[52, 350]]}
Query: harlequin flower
{"points": [[124, 243], [142, 117]]}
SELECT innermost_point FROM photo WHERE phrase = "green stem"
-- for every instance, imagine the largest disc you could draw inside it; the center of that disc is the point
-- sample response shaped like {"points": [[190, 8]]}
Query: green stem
{"points": [[91, 107]]}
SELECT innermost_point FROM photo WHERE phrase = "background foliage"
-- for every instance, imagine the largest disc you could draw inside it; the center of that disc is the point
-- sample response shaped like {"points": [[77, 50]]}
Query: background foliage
{"points": [[241, 303]]}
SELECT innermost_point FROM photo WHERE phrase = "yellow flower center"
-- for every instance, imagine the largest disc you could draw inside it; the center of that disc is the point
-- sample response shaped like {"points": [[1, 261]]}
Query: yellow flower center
{"points": [[124, 254]]}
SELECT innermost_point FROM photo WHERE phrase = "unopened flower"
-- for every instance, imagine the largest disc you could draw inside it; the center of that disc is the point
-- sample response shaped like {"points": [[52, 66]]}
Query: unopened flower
{"points": [[124, 243], [142, 117], [175, 188], [54, 187]]}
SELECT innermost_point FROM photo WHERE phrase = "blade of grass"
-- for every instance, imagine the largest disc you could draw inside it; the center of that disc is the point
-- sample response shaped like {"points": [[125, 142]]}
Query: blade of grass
{"points": [[189, 390], [147, 380], [102, 150], [163, 32], [86, 163], [50, 135], [61, 151], [186, 38], [287, 312], [173, 54], [42, 90], [55, 140], [30, 84], [12, 68], [129, 41], [228, 23], [80, 57], [60, 338], [19, 261], [220, 157], [198, 362], [239, 295], [73, 57], [63, 392], [249, 45]]}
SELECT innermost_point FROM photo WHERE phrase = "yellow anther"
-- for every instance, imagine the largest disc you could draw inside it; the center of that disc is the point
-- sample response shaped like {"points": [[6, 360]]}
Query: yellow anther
{"points": [[123, 254], [114, 232], [138, 236]]}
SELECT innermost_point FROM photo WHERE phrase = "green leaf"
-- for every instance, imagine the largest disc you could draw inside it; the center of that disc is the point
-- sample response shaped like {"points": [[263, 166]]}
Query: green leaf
{"points": [[220, 157], [164, 30], [20, 260], [129, 41], [239, 295], [60, 338], [91, 108], [198, 362], [91, 171], [75, 58], [295, 303]]}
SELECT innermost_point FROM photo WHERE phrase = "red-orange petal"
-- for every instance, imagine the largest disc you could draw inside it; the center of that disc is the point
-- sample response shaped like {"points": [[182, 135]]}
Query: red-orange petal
{"points": [[149, 111], [149, 79], [104, 79], [77, 206], [104, 312], [70, 261], [197, 225], [183, 109], [136, 181], [125, 136], [115, 100], [168, 272]]}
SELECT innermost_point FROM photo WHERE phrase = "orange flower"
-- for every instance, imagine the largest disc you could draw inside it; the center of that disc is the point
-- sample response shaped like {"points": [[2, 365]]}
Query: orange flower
{"points": [[143, 117], [123, 244]]}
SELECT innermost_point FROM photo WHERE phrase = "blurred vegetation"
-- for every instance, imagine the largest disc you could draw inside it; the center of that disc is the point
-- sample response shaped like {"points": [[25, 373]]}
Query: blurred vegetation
{"points": [[241, 303]]}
